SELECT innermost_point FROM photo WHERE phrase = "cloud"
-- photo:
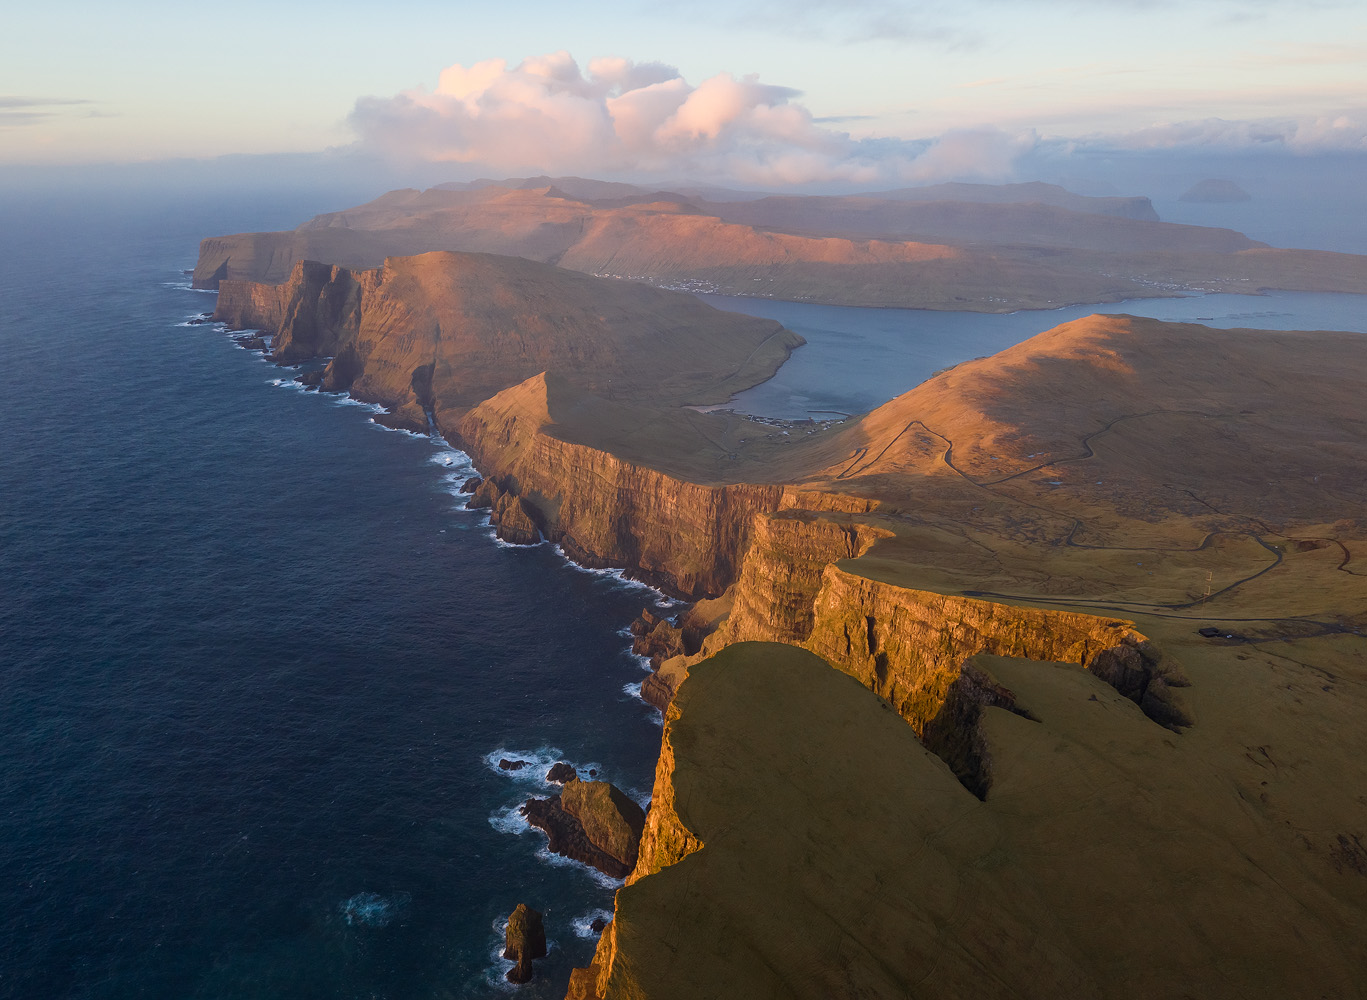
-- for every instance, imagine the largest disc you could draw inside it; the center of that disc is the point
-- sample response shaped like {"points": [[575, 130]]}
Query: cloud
{"points": [[1330, 133], [546, 115], [986, 153], [32, 110], [849, 22]]}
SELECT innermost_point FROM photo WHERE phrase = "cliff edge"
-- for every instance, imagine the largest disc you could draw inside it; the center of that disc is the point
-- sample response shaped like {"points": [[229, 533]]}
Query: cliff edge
{"points": [[441, 332], [815, 849]]}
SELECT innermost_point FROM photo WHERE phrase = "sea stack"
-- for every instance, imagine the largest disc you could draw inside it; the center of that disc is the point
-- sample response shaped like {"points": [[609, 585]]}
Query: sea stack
{"points": [[524, 940]]}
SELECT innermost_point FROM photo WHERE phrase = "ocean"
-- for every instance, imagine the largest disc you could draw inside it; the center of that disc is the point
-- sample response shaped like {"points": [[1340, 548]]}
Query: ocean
{"points": [[257, 667], [257, 664]]}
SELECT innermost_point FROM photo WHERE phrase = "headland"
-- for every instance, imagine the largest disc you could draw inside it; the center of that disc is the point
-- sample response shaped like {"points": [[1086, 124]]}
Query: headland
{"points": [[1042, 679]]}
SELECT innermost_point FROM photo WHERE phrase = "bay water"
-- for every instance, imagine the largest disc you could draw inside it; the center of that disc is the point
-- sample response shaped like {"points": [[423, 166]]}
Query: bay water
{"points": [[857, 358]]}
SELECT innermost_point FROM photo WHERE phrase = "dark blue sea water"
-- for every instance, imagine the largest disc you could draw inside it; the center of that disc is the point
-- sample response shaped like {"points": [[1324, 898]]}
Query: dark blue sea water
{"points": [[253, 659]]}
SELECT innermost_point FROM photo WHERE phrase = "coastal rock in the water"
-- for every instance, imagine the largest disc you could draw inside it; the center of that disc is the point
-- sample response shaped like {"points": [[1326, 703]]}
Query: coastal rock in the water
{"points": [[593, 822], [311, 379], [485, 495], [561, 773], [612, 821], [512, 765], [524, 940], [471, 484], [567, 836], [658, 639], [513, 521], [1215, 191]]}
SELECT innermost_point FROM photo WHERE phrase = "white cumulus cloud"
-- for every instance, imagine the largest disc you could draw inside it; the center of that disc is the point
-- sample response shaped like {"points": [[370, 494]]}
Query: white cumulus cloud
{"points": [[546, 115]]}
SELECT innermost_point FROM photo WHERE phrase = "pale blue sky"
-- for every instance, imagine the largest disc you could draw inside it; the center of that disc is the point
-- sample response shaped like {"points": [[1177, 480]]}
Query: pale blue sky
{"points": [[160, 79]]}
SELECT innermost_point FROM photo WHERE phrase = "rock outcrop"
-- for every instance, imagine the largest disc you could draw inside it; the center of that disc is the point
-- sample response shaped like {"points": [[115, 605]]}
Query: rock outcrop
{"points": [[611, 820], [561, 772], [658, 638], [524, 940], [593, 822]]}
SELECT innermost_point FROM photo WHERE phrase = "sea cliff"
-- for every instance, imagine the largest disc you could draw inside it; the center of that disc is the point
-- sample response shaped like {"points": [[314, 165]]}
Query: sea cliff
{"points": [[809, 847], [960, 722], [435, 334], [1086, 711], [789, 573], [682, 536]]}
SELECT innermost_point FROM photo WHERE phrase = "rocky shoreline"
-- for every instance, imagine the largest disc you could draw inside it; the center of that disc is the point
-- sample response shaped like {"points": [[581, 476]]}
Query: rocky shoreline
{"points": [[872, 564]]}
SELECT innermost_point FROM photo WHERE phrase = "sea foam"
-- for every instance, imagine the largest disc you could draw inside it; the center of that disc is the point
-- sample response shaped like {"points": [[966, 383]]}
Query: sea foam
{"points": [[370, 909], [583, 924], [560, 861]]}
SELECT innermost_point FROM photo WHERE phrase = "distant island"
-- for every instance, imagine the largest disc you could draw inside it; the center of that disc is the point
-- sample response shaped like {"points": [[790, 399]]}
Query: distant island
{"points": [[1042, 679]]}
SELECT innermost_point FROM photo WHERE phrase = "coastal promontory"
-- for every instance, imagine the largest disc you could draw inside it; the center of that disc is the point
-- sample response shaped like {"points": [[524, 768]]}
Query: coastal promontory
{"points": [[1042, 679]]}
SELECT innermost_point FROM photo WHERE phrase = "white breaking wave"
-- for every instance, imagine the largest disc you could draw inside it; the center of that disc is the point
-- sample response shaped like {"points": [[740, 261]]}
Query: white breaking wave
{"points": [[287, 383], [349, 400], [619, 576], [497, 973], [634, 691], [509, 820], [370, 909], [395, 430], [560, 861], [493, 536], [539, 761], [583, 925]]}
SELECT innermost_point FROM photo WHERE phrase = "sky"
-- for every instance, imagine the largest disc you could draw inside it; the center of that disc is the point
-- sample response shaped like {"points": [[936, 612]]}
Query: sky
{"points": [[862, 92]]}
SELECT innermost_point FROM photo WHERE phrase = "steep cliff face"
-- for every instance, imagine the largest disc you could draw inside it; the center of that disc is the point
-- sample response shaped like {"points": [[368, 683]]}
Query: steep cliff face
{"points": [[666, 841], [908, 646], [442, 332], [826, 854], [605, 511], [316, 311], [775, 595]]}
